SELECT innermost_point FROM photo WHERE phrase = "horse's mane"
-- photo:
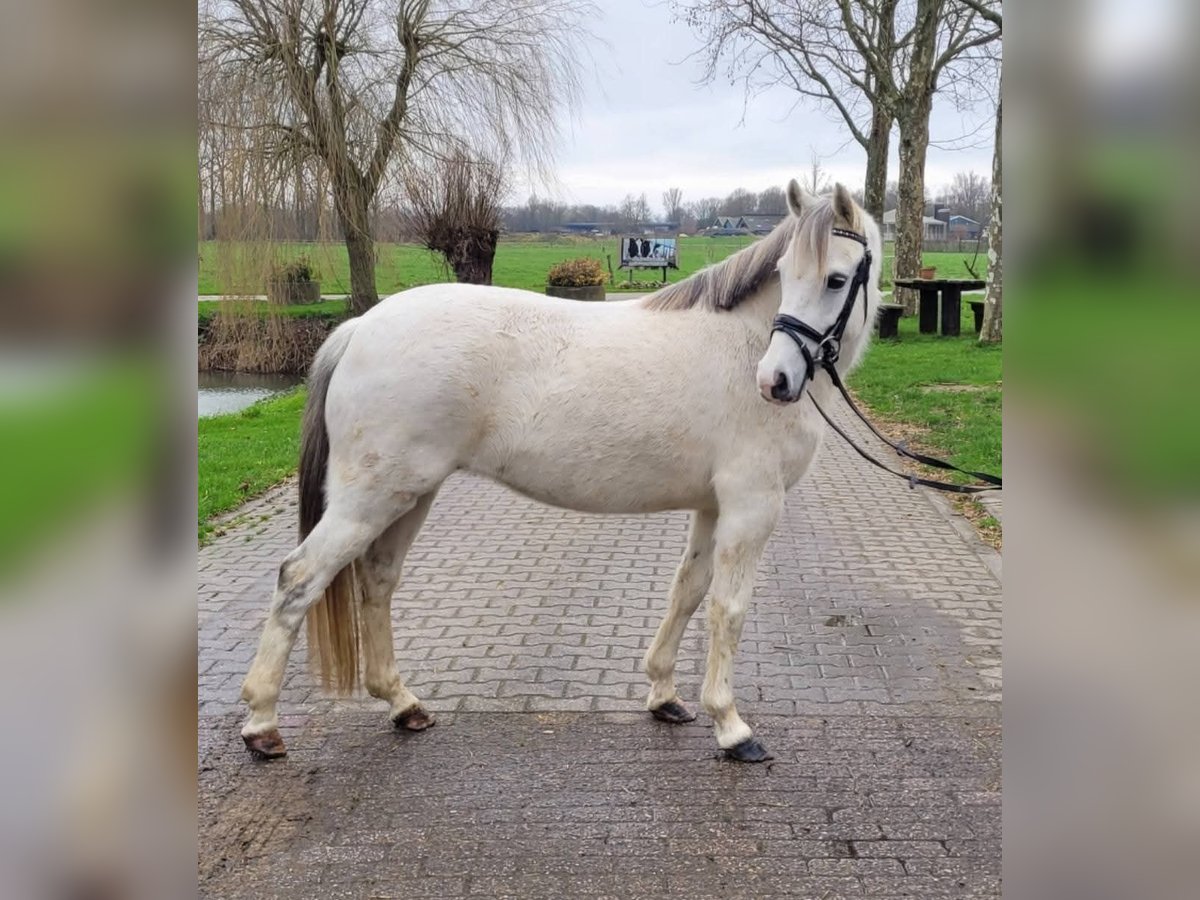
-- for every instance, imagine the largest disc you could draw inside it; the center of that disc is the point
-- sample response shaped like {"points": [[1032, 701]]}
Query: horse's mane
{"points": [[728, 283]]}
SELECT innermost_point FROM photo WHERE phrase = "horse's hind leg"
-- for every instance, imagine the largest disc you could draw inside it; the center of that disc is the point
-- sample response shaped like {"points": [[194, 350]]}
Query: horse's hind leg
{"points": [[691, 583], [337, 540], [380, 571]]}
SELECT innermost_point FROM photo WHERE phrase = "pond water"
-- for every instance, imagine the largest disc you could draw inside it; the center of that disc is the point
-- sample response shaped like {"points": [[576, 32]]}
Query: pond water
{"points": [[226, 392]]}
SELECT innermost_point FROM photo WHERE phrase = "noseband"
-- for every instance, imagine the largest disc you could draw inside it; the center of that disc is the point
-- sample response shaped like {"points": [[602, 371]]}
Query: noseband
{"points": [[829, 342]]}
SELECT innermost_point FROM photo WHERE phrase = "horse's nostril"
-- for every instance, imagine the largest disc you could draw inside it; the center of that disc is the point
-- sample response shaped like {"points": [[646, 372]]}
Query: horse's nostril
{"points": [[779, 390]]}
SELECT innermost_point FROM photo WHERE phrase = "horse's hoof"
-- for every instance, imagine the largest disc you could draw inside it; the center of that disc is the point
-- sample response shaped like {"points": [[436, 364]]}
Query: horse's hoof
{"points": [[749, 750], [673, 712], [268, 745], [414, 719]]}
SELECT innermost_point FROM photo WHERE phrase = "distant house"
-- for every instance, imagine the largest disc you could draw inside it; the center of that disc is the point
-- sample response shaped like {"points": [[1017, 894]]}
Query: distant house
{"points": [[759, 224], [935, 229], [964, 229], [749, 224]]}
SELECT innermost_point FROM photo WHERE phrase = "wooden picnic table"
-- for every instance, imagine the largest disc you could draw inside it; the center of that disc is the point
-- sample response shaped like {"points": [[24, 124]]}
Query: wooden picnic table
{"points": [[951, 291]]}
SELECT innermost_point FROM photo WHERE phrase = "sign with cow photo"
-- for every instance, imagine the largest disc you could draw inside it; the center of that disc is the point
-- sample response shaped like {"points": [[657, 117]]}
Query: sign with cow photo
{"points": [[649, 253]]}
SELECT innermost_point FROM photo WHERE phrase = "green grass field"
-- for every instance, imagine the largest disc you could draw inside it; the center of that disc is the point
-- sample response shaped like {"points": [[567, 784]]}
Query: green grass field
{"points": [[948, 389], [244, 453], [519, 263]]}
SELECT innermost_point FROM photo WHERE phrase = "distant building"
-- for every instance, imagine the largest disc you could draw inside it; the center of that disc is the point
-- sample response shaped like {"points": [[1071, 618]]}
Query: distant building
{"points": [[658, 228], [749, 224], [759, 224], [590, 228], [964, 229], [935, 229]]}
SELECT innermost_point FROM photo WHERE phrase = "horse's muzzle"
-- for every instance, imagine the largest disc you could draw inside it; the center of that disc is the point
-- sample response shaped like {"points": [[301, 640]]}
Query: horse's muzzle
{"points": [[783, 390]]}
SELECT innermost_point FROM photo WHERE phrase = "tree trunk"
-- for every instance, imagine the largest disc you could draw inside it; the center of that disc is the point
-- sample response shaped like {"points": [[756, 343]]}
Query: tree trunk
{"points": [[913, 118], [360, 247], [910, 214], [470, 252], [877, 163], [993, 302]]}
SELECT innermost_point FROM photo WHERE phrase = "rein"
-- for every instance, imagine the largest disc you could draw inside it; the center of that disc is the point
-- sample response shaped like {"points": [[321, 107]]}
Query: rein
{"points": [[829, 346]]}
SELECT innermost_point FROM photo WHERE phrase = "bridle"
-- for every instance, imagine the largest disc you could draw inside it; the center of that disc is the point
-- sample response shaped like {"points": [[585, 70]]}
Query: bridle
{"points": [[829, 341], [829, 348]]}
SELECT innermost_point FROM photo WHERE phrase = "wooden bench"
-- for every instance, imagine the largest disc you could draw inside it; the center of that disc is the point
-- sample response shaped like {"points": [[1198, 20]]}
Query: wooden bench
{"points": [[977, 309], [889, 319]]}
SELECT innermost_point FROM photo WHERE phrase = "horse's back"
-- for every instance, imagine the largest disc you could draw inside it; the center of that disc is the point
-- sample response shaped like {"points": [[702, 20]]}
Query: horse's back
{"points": [[597, 406]]}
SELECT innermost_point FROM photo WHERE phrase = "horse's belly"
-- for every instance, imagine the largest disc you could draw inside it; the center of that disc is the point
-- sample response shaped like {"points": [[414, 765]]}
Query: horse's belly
{"points": [[592, 480]]}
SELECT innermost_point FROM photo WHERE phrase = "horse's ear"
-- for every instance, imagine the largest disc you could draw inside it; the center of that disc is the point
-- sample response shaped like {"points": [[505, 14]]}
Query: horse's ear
{"points": [[798, 199], [843, 204]]}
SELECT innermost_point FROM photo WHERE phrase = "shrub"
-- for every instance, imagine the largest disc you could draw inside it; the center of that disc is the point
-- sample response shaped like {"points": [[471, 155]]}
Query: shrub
{"points": [[296, 271], [581, 272]]}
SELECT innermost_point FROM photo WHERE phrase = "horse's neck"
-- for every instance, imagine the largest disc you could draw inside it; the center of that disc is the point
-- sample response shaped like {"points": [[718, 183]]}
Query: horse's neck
{"points": [[762, 306]]}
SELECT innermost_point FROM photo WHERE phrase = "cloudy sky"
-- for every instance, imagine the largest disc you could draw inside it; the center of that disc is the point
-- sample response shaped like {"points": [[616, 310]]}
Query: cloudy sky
{"points": [[645, 124]]}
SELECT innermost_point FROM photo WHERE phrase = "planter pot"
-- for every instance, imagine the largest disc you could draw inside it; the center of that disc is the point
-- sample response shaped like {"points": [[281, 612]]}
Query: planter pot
{"points": [[589, 292], [293, 292], [929, 273]]}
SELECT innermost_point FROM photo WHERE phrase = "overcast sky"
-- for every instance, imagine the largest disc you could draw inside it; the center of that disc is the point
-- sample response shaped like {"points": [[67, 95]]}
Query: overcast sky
{"points": [[646, 125]]}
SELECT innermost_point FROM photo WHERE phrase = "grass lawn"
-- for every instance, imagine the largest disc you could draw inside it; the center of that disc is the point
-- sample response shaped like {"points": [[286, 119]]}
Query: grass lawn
{"points": [[244, 453], [944, 393], [519, 263]]}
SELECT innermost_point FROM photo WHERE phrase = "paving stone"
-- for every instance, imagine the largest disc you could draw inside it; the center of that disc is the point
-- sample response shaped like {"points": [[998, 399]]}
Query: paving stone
{"points": [[870, 664]]}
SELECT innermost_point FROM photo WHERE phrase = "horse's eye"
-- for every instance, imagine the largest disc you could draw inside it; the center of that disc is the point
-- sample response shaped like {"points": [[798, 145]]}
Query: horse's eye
{"points": [[836, 282]]}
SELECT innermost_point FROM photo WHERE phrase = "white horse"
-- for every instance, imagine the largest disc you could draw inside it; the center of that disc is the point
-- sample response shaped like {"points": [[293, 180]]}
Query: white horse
{"points": [[629, 407]]}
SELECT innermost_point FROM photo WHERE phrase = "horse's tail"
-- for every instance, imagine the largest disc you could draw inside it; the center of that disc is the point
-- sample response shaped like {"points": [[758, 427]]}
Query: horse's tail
{"points": [[333, 620]]}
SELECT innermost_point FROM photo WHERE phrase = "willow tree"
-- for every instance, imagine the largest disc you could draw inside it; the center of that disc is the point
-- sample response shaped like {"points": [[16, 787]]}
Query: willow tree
{"points": [[355, 83], [454, 208]]}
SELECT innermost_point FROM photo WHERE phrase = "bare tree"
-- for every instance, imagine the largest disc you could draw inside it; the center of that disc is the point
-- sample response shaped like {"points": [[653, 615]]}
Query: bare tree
{"points": [[816, 181], [673, 204], [806, 45], [969, 194], [772, 202], [705, 210], [627, 213], [993, 301], [351, 83], [454, 209], [641, 209], [739, 202], [943, 33]]}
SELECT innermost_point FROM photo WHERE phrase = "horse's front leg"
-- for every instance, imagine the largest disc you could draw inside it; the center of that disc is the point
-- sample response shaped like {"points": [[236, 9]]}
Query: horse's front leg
{"points": [[691, 583], [746, 521]]}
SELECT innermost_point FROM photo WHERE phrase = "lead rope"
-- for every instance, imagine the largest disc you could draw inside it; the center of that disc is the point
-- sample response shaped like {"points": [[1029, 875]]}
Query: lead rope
{"points": [[994, 483]]}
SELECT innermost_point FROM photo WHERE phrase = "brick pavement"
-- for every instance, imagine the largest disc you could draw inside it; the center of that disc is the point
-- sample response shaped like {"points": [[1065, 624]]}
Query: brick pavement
{"points": [[870, 665]]}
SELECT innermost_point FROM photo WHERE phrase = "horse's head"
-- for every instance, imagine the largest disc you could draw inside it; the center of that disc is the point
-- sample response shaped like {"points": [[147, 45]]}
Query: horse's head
{"points": [[829, 281]]}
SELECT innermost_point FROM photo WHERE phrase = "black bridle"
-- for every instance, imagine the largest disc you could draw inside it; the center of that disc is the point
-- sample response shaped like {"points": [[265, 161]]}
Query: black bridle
{"points": [[829, 348], [829, 341]]}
